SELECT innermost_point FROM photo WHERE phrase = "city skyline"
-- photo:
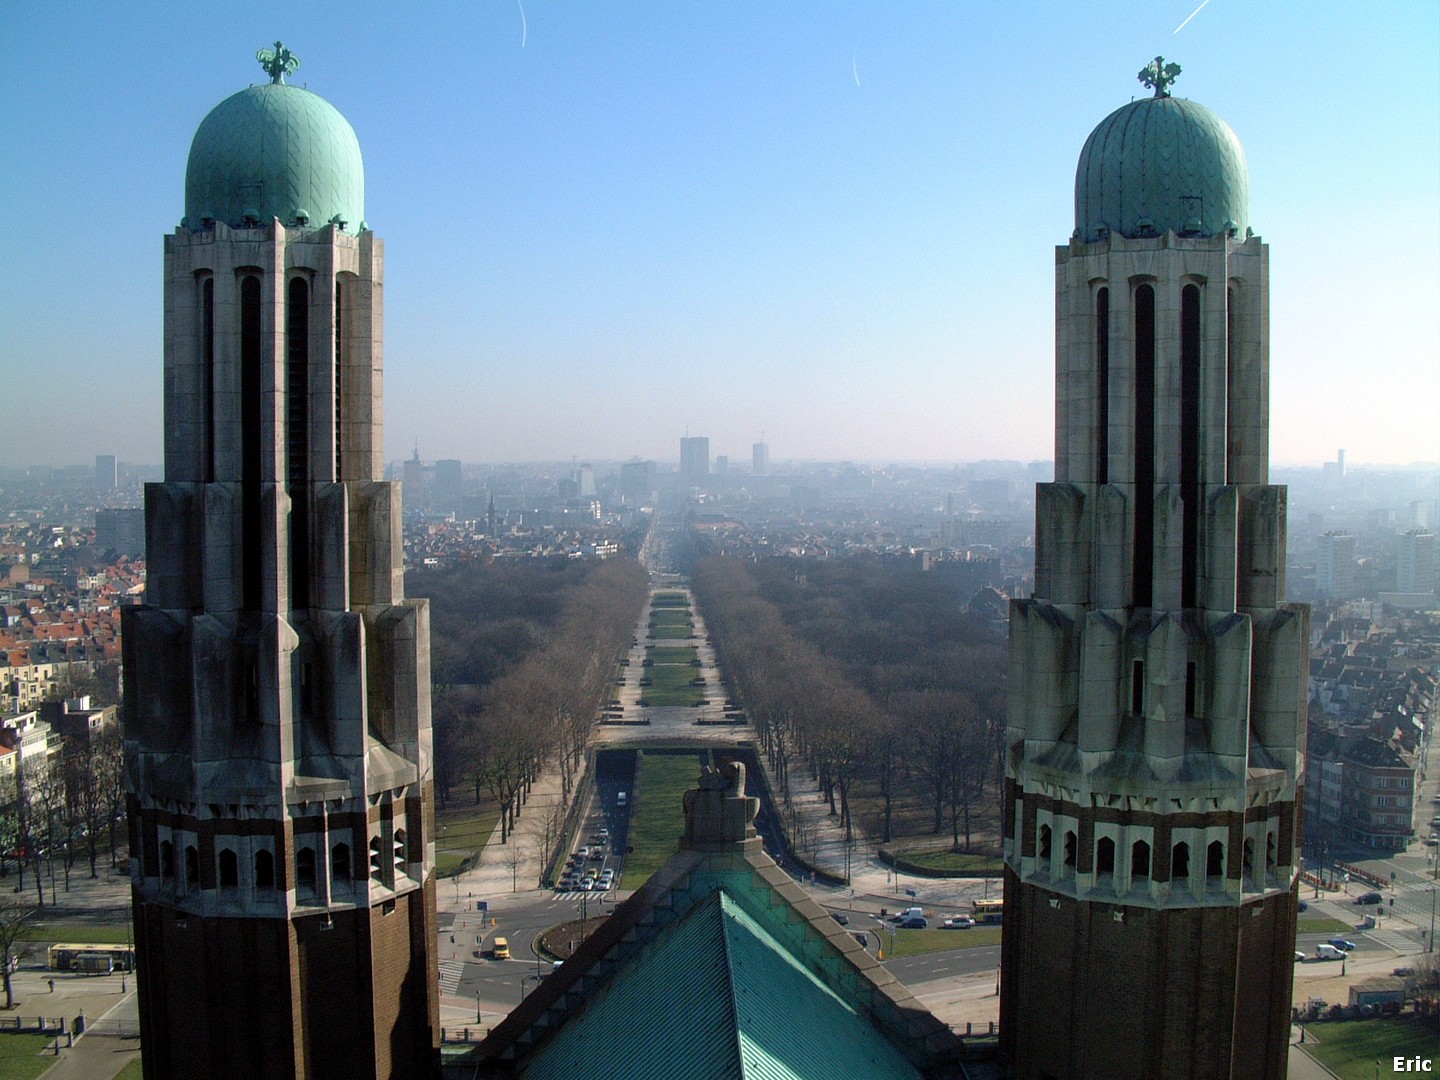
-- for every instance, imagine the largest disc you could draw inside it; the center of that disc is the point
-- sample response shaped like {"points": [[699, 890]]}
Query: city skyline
{"points": [[830, 225]]}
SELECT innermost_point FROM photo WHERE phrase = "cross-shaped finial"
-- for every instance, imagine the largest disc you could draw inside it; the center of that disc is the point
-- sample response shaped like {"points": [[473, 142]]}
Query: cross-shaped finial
{"points": [[278, 62], [1160, 75]]}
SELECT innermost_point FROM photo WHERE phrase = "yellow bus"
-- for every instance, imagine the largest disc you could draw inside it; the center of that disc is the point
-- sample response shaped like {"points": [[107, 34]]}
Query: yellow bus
{"points": [[989, 911], [94, 959]]}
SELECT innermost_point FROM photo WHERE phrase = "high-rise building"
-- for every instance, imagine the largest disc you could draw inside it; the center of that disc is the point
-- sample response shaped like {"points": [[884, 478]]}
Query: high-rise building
{"points": [[1415, 567], [121, 531], [760, 459], [695, 457], [445, 493], [1157, 682], [277, 682], [107, 472], [585, 480], [1335, 566]]}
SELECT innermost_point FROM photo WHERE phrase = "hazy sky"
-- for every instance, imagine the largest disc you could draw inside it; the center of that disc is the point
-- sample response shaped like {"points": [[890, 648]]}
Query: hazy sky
{"points": [[835, 223]]}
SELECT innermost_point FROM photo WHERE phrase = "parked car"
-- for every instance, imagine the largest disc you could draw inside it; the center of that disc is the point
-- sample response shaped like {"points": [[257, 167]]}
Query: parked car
{"points": [[913, 922], [959, 922], [1325, 951], [843, 920], [1299, 956], [1369, 898], [1341, 944], [1304, 906]]}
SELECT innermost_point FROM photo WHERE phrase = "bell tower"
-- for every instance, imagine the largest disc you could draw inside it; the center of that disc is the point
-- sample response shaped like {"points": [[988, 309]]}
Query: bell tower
{"points": [[277, 681], [1157, 676]]}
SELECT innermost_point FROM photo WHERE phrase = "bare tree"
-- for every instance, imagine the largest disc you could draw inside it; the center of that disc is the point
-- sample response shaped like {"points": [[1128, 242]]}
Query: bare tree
{"points": [[14, 914]]}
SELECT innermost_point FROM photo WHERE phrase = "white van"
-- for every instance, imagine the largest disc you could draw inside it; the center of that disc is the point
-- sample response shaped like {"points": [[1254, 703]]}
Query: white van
{"points": [[1326, 951]]}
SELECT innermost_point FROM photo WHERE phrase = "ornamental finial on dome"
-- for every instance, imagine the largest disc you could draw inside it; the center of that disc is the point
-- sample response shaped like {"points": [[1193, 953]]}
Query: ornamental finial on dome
{"points": [[1157, 74], [279, 62]]}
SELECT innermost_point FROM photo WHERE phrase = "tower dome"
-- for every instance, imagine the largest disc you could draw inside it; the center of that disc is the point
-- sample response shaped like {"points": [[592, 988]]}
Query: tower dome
{"points": [[275, 151], [1161, 164]]}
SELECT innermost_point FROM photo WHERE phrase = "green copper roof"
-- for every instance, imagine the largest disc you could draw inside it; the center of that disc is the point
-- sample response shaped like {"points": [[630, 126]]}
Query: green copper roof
{"points": [[275, 151], [1161, 164], [715, 995]]}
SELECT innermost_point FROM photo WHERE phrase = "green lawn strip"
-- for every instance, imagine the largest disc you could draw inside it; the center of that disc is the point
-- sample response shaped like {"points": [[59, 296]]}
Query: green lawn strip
{"points": [[680, 655], [1321, 924], [669, 599], [949, 861], [670, 685], [462, 832], [915, 942], [82, 931], [1350, 1048], [22, 1055], [131, 1071], [659, 815]]}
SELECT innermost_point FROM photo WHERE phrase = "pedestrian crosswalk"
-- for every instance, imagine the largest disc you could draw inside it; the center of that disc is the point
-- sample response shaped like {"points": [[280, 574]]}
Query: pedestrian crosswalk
{"points": [[450, 972], [1394, 939]]}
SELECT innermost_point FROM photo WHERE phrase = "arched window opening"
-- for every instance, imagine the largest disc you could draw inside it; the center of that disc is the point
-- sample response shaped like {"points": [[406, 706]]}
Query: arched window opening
{"points": [[1191, 679], [1105, 857], [1180, 861], [1102, 386], [377, 871], [1247, 866], [297, 435], [340, 864], [1139, 860], [251, 457], [207, 374], [1231, 441], [1143, 557], [264, 870], [401, 857], [339, 372], [1270, 855], [1137, 687], [229, 869], [1189, 442], [1215, 860], [1071, 849], [192, 867], [1045, 842], [167, 860], [305, 868]]}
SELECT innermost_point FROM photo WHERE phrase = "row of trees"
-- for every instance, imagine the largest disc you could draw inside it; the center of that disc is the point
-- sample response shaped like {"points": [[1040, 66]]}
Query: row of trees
{"points": [[869, 681], [524, 656], [61, 807]]}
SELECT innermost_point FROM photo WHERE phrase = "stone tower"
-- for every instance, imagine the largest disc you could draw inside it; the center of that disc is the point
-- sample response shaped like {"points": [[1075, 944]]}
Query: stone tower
{"points": [[277, 682], [1157, 676]]}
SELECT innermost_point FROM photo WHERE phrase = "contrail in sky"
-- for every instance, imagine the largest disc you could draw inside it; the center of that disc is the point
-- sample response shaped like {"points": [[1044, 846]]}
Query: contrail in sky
{"points": [[524, 29], [1191, 16], [856, 71]]}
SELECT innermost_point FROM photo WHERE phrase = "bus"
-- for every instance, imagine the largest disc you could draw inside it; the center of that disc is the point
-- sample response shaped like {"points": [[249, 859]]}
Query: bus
{"points": [[92, 959], [988, 911]]}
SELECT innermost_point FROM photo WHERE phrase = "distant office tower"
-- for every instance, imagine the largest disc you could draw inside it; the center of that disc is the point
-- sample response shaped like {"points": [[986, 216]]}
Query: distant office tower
{"points": [[445, 492], [277, 682], [1157, 681], [107, 472], [1419, 514], [722, 465], [121, 531], [695, 457], [412, 484], [1335, 566], [1334, 471], [637, 480], [585, 479], [1415, 568], [760, 459]]}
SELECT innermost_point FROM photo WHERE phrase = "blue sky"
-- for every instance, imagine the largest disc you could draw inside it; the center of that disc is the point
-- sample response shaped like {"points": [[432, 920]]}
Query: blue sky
{"points": [[608, 223]]}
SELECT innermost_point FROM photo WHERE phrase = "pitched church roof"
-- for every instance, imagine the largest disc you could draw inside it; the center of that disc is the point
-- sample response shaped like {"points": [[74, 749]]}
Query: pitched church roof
{"points": [[721, 966]]}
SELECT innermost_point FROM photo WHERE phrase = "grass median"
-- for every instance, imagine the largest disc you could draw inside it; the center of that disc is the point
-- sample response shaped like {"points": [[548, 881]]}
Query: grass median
{"points": [[658, 819], [1351, 1048]]}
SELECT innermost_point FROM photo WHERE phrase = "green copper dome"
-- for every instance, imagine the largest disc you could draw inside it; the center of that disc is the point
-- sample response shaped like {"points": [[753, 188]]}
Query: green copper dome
{"points": [[275, 151], [1161, 164]]}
